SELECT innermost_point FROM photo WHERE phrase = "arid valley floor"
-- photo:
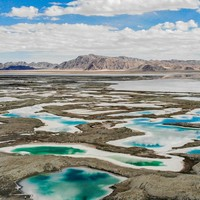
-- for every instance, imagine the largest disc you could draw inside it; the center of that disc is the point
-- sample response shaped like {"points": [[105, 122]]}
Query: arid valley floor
{"points": [[143, 128]]}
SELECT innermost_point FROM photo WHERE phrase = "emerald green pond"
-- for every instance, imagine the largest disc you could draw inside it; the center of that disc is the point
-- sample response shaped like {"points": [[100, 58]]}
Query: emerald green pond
{"points": [[139, 163], [49, 150], [70, 184], [146, 163], [67, 150]]}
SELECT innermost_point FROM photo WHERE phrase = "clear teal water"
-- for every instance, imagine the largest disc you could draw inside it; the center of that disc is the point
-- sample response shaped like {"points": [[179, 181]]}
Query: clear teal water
{"points": [[146, 145], [70, 184], [49, 150], [140, 163], [146, 163], [195, 151], [146, 112]]}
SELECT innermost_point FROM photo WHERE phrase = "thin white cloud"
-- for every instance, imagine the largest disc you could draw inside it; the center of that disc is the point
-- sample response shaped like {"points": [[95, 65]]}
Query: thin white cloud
{"points": [[59, 42], [179, 25], [24, 12], [55, 3], [118, 7], [55, 11], [55, 19], [106, 7]]}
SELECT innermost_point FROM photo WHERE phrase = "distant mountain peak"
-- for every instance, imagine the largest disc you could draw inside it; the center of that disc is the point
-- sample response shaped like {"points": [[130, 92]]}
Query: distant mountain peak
{"points": [[97, 62], [21, 65], [18, 67]]}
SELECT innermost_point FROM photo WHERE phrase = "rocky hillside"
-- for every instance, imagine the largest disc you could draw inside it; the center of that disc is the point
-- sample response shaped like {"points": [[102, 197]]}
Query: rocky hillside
{"points": [[18, 67], [95, 62], [25, 66]]}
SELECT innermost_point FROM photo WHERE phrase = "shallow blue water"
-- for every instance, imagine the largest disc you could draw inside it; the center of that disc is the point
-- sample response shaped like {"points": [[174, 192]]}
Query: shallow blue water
{"points": [[160, 135], [192, 119], [70, 184], [11, 115], [51, 118], [146, 112], [198, 112], [195, 151], [48, 118], [156, 145]]}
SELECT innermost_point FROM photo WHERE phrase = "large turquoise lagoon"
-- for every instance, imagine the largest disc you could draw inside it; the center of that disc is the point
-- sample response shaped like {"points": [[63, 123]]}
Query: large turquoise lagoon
{"points": [[70, 184]]}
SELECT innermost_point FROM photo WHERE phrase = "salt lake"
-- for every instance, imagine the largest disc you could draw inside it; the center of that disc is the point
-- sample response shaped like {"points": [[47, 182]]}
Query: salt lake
{"points": [[70, 184]]}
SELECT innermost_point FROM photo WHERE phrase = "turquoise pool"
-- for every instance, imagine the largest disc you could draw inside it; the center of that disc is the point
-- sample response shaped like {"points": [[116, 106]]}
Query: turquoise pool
{"points": [[70, 184]]}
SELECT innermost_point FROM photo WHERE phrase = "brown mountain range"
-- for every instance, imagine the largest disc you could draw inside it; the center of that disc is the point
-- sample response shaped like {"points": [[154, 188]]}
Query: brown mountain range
{"points": [[95, 62]]}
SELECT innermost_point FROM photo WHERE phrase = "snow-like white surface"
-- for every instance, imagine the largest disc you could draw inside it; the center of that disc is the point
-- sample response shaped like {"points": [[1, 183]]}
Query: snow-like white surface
{"points": [[7, 99], [42, 94], [154, 112], [194, 112], [189, 98], [157, 103], [167, 111], [6, 141], [134, 105], [162, 85]]}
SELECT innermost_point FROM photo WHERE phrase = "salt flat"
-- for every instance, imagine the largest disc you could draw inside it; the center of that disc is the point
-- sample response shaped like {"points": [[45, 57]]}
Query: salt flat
{"points": [[189, 98], [6, 99], [159, 85]]}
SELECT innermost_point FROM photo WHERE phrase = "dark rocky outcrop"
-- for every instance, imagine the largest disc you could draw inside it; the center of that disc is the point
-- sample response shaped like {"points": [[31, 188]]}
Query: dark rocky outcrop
{"points": [[26, 66], [152, 68], [18, 67]]}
